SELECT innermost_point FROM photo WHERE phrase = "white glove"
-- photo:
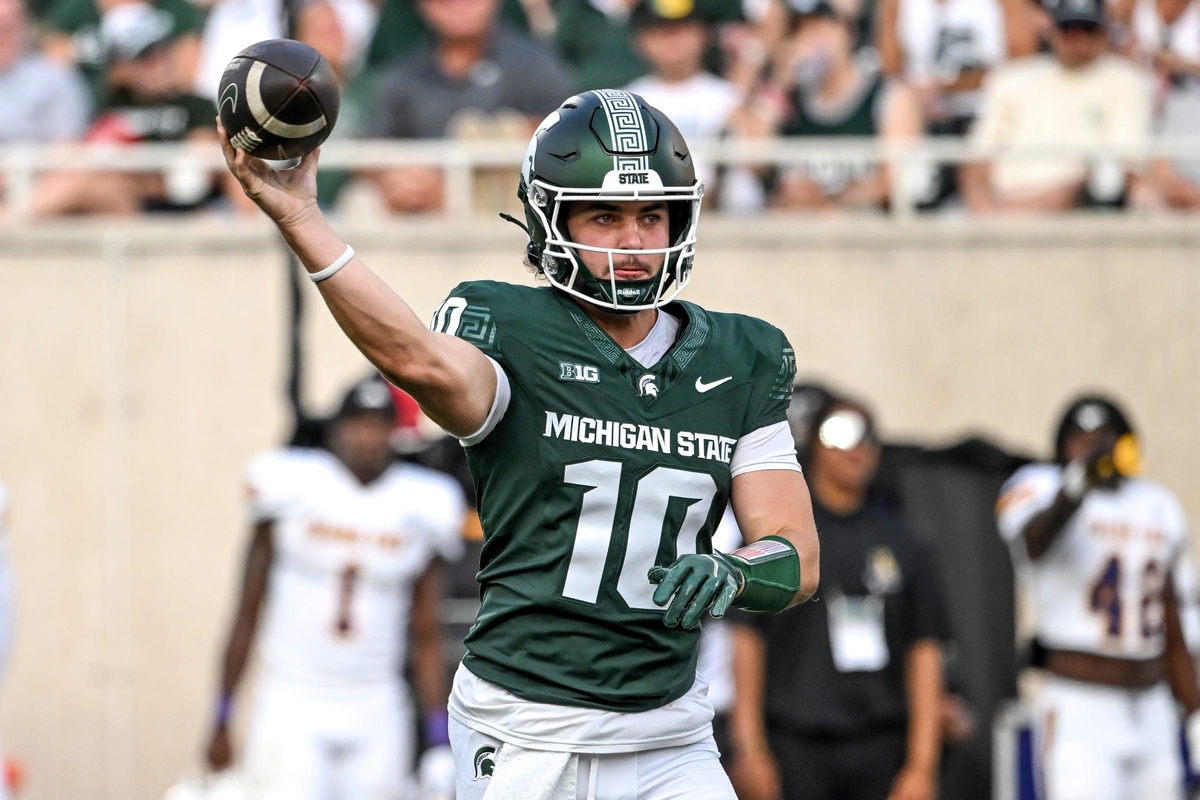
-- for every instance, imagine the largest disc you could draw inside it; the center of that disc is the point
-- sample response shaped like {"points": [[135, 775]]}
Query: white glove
{"points": [[1191, 732], [435, 772]]}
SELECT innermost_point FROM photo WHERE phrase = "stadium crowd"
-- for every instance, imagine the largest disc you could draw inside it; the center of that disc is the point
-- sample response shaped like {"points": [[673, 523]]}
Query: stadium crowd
{"points": [[1094, 79]]}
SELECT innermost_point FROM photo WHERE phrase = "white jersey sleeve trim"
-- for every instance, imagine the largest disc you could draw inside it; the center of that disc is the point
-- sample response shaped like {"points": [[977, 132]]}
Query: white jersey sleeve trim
{"points": [[769, 447], [499, 406]]}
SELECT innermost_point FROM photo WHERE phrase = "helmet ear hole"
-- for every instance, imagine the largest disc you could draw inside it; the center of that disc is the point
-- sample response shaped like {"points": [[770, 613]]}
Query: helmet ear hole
{"points": [[679, 215], [533, 254]]}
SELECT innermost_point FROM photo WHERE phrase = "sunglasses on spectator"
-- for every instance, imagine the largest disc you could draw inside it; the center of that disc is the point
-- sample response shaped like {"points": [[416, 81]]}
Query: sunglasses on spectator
{"points": [[846, 430]]}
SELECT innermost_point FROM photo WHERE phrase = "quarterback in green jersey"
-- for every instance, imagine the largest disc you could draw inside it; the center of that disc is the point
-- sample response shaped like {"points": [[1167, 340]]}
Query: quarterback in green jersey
{"points": [[607, 426]]}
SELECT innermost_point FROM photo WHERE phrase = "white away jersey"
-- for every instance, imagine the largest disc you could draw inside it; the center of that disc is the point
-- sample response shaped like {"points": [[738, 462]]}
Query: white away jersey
{"points": [[1098, 589], [346, 557]]}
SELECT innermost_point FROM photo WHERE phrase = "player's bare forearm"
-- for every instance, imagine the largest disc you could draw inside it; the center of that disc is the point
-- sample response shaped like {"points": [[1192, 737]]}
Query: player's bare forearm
{"points": [[453, 381], [747, 719], [776, 502], [1043, 529], [1180, 669], [923, 680], [255, 577], [427, 660], [752, 768]]}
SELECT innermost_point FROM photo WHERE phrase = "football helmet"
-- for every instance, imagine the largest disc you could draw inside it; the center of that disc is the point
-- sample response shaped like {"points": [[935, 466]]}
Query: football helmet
{"points": [[609, 145]]}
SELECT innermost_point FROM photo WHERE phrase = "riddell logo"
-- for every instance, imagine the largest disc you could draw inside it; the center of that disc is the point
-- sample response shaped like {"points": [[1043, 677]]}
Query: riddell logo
{"points": [[634, 177]]}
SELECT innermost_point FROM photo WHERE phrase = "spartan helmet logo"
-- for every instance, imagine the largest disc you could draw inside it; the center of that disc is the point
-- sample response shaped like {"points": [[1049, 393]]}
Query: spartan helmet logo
{"points": [[647, 387], [485, 762]]}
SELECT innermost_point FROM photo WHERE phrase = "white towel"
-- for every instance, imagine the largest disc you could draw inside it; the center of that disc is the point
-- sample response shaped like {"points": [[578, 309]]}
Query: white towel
{"points": [[524, 774]]}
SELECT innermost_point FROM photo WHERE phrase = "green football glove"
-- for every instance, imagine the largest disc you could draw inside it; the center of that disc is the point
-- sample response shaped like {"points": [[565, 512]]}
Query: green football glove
{"points": [[695, 584]]}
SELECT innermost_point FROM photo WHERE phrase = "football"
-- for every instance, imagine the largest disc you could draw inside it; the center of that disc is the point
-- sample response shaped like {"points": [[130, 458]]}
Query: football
{"points": [[278, 99]]}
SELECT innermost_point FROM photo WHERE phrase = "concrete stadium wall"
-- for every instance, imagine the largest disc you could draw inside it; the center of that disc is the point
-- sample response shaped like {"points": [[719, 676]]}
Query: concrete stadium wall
{"points": [[141, 365]]}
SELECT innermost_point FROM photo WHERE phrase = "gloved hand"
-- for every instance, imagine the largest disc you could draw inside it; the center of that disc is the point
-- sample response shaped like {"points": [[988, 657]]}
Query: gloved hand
{"points": [[694, 584], [435, 773], [1089, 471]]}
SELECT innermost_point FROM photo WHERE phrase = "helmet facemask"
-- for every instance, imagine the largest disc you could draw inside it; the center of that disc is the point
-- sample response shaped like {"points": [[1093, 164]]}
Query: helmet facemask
{"points": [[627, 176]]}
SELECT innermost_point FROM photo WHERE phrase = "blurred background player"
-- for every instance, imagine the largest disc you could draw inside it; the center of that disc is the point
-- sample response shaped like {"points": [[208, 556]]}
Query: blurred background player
{"points": [[344, 557], [1098, 550], [841, 698]]}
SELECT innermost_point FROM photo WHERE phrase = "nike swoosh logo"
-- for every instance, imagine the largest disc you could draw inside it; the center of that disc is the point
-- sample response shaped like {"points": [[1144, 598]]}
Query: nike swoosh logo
{"points": [[703, 387], [230, 95]]}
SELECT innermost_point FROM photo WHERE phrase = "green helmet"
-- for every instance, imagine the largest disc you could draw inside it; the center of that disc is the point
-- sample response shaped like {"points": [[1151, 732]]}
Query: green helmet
{"points": [[609, 145]]}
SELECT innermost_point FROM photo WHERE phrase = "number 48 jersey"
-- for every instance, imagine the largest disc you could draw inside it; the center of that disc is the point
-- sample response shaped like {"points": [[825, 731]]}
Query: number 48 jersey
{"points": [[599, 469], [1099, 588]]}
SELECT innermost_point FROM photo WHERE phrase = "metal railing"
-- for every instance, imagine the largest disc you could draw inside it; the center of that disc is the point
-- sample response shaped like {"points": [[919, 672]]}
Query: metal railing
{"points": [[460, 160]]}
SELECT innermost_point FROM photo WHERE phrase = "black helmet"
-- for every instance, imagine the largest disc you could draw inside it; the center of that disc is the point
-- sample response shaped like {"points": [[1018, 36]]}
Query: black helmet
{"points": [[1087, 413], [609, 145]]}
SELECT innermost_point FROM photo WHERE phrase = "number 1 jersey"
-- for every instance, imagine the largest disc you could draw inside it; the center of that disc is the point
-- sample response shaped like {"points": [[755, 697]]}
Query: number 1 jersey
{"points": [[346, 557]]}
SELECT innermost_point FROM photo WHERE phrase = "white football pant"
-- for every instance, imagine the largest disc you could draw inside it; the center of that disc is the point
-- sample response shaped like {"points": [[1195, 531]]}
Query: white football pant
{"points": [[1103, 743], [691, 772], [305, 744]]}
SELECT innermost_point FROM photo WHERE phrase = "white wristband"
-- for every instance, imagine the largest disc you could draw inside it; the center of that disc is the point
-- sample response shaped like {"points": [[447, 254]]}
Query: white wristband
{"points": [[333, 268]]}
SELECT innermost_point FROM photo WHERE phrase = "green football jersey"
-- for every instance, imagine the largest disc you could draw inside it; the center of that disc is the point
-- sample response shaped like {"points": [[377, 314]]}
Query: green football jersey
{"points": [[599, 470]]}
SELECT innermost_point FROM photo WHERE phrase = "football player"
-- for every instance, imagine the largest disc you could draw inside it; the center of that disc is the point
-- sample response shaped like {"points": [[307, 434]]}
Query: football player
{"points": [[1097, 550], [343, 562], [607, 427]]}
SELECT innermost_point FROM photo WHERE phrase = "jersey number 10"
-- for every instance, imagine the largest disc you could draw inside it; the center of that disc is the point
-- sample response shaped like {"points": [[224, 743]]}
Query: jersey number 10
{"points": [[653, 494]]}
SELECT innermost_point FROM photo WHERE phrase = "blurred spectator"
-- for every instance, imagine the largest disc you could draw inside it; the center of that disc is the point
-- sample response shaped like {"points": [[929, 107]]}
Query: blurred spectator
{"points": [[1081, 96], [401, 29], [944, 48], [1097, 550], [835, 91], [592, 36], [477, 79], [145, 104], [339, 29], [841, 698], [74, 34], [672, 36], [343, 569], [1165, 36], [44, 101]]}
